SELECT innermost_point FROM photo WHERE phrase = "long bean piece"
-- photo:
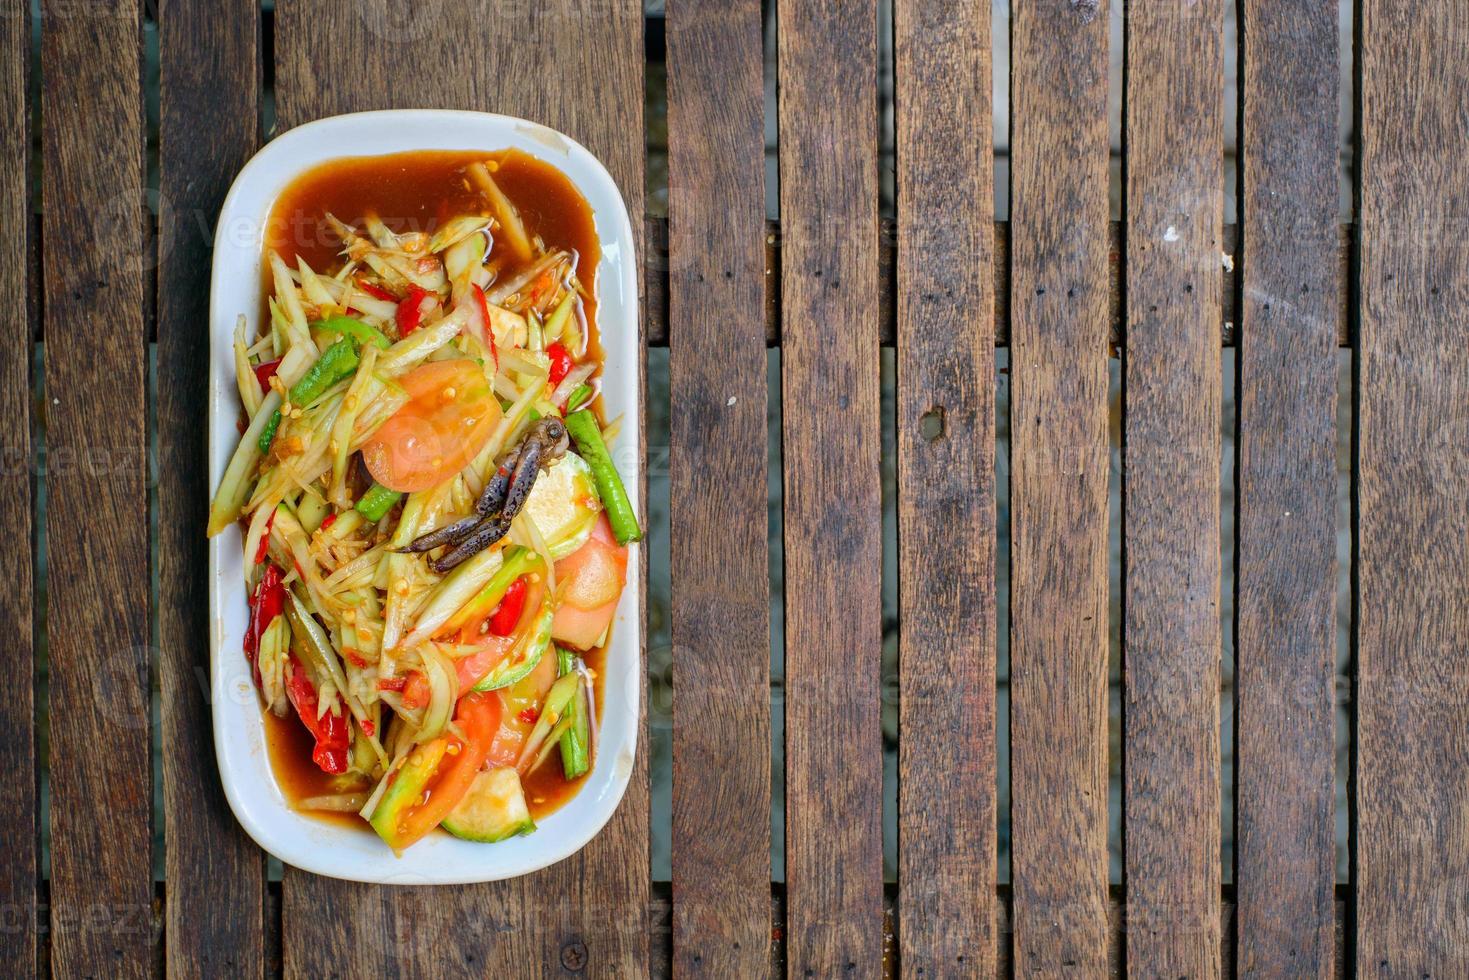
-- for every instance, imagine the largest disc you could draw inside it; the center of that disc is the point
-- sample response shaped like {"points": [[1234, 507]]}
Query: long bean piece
{"points": [[588, 436]]}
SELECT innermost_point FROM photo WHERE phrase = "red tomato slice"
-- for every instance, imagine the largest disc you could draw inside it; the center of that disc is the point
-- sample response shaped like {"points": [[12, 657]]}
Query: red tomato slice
{"points": [[582, 628], [505, 748], [415, 690], [520, 701], [593, 578], [471, 669], [449, 417], [478, 716]]}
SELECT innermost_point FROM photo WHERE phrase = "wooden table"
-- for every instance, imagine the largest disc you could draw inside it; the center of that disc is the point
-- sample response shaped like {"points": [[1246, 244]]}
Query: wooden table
{"points": [[944, 284]]}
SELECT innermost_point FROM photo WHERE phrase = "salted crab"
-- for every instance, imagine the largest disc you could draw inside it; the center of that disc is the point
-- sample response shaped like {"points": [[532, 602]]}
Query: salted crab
{"points": [[503, 497]]}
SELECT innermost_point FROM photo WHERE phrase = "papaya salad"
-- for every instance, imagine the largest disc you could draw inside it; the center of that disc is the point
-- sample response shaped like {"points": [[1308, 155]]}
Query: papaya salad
{"points": [[435, 536]]}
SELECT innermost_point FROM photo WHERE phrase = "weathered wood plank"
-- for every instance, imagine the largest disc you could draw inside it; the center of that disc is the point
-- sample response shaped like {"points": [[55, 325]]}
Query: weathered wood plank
{"points": [[718, 496], [19, 801], [656, 269], [833, 544], [96, 485], [1058, 486], [1174, 132], [208, 129], [589, 912], [1285, 814], [946, 493], [1413, 493]]}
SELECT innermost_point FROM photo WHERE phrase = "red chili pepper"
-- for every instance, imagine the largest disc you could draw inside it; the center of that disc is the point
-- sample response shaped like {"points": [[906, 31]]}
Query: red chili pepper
{"points": [[529, 715], [267, 602], [483, 305], [561, 363], [368, 728], [507, 613], [330, 730], [374, 290], [264, 372], [411, 311], [264, 540], [392, 683], [354, 658], [326, 522]]}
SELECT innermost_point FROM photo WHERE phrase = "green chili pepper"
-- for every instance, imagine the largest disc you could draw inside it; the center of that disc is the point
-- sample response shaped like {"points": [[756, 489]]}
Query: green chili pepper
{"points": [[579, 394], [335, 363], [377, 501], [361, 332], [588, 436], [268, 433]]}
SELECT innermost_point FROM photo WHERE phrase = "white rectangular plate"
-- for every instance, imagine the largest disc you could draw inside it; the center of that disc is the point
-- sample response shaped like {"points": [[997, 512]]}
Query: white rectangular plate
{"points": [[239, 736]]}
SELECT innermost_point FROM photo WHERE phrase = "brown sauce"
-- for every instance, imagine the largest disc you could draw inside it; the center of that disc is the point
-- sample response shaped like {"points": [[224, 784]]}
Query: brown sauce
{"points": [[417, 192], [420, 190], [290, 745], [547, 789]]}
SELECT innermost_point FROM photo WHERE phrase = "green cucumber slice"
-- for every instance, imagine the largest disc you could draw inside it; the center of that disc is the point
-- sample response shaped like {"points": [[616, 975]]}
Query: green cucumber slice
{"points": [[493, 810], [564, 505]]}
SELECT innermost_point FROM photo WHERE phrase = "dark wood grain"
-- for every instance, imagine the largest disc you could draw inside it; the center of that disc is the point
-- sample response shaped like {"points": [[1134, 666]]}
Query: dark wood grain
{"points": [[946, 492], [833, 500], [656, 270], [216, 874], [97, 491], [832, 485], [1412, 846], [1058, 486], [577, 67], [718, 510], [1174, 132], [19, 801], [1285, 812]]}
